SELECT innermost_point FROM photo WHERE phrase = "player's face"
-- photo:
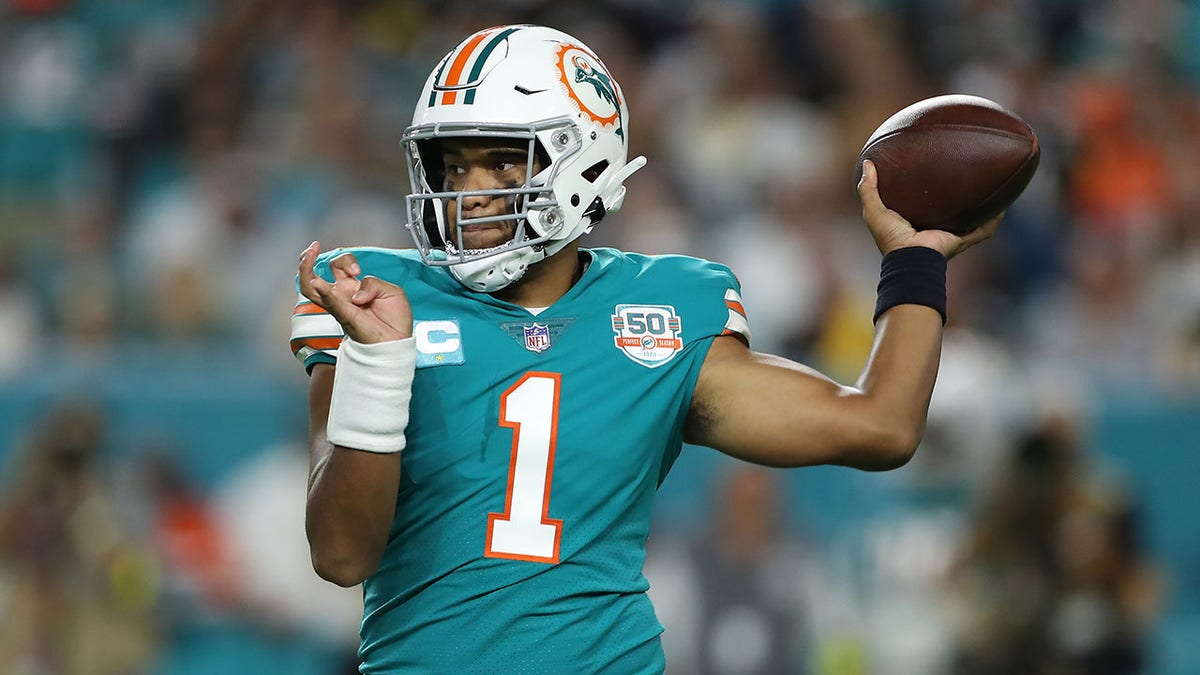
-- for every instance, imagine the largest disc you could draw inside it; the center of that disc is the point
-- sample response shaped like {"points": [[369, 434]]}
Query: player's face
{"points": [[483, 164]]}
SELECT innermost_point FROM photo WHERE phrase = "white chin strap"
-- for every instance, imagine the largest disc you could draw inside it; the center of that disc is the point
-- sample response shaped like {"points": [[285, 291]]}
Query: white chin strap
{"points": [[495, 272]]}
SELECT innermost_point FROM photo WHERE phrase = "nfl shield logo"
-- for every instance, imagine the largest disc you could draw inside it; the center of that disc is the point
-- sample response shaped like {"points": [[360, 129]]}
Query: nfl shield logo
{"points": [[537, 338]]}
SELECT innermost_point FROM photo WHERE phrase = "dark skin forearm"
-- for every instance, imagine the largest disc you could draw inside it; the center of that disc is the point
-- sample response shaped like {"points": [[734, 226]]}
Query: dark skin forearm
{"points": [[902, 368], [351, 496], [769, 410]]}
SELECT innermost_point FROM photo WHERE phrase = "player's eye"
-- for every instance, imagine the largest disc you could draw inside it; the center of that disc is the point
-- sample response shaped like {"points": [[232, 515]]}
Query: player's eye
{"points": [[505, 167], [453, 169]]}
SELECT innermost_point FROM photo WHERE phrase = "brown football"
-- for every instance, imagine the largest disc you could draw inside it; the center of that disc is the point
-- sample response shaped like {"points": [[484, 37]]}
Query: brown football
{"points": [[951, 162]]}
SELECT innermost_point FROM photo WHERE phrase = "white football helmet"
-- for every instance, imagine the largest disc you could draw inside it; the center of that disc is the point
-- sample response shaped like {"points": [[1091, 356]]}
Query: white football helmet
{"points": [[547, 89]]}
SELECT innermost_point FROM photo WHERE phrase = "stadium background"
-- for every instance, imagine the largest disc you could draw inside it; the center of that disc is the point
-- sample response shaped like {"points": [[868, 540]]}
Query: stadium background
{"points": [[163, 162]]}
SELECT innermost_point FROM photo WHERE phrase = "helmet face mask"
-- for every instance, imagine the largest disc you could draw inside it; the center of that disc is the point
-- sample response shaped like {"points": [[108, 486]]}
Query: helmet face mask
{"points": [[533, 207], [529, 87]]}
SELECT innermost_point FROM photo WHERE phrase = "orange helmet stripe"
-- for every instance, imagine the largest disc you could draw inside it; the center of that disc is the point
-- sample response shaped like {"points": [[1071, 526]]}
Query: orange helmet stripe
{"points": [[460, 63]]}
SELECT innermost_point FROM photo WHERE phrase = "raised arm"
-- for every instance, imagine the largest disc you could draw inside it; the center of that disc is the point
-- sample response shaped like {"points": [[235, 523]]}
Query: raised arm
{"points": [[769, 410], [351, 492]]}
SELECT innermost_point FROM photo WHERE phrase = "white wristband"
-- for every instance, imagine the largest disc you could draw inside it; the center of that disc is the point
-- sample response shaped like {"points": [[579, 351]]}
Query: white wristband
{"points": [[372, 386]]}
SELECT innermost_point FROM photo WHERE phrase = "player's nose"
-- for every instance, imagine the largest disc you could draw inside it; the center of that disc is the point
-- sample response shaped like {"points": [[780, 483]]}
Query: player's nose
{"points": [[477, 179]]}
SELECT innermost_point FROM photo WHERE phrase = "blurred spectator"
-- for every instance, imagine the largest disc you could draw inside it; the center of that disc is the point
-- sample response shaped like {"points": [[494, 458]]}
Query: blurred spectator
{"points": [[261, 508], [199, 575], [1097, 323], [1053, 577], [1176, 293], [732, 129], [19, 319], [84, 301], [907, 548], [738, 597], [76, 592]]}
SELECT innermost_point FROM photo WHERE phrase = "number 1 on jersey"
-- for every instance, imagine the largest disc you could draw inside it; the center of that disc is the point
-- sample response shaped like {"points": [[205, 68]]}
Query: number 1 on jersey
{"points": [[525, 531]]}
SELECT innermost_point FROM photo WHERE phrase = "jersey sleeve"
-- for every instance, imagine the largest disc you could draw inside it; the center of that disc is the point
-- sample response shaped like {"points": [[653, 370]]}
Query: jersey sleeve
{"points": [[713, 298], [736, 323], [316, 335]]}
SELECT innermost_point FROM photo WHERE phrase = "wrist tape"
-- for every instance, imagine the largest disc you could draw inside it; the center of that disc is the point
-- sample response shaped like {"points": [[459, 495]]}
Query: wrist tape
{"points": [[371, 390], [914, 275]]}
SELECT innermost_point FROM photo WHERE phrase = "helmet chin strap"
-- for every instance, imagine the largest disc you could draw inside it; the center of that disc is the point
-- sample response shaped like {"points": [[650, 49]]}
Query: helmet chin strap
{"points": [[493, 273]]}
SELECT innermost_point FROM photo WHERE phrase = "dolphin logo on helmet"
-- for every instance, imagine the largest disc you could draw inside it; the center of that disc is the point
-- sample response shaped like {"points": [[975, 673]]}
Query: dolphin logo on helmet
{"points": [[603, 94]]}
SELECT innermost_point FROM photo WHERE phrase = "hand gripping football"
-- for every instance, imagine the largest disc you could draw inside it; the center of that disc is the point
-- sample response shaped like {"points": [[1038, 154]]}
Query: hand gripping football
{"points": [[951, 162]]}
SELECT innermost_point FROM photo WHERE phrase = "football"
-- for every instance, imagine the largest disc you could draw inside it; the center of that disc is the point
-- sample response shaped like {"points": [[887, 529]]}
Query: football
{"points": [[951, 162]]}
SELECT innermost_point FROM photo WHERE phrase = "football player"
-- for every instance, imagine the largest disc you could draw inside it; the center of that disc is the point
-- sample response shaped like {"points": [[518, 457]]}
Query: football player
{"points": [[492, 412]]}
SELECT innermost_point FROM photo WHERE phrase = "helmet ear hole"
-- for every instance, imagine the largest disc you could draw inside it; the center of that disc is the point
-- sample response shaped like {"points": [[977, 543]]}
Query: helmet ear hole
{"points": [[593, 172]]}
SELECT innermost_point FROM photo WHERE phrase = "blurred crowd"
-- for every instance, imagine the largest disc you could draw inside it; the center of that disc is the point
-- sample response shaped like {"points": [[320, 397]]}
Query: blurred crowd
{"points": [[131, 568], [1046, 572], [163, 162]]}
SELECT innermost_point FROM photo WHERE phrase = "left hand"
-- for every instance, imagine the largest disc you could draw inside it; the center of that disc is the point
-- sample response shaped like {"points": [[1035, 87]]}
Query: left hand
{"points": [[369, 309], [891, 231]]}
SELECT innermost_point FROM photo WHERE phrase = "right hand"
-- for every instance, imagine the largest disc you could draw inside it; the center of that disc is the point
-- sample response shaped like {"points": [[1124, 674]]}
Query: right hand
{"points": [[370, 310], [891, 231]]}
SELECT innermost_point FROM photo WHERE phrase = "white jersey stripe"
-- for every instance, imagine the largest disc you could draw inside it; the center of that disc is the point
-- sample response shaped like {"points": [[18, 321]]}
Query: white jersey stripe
{"points": [[738, 324], [315, 325]]}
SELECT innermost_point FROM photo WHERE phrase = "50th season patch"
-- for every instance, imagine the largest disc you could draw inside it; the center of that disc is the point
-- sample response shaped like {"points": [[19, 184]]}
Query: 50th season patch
{"points": [[648, 334]]}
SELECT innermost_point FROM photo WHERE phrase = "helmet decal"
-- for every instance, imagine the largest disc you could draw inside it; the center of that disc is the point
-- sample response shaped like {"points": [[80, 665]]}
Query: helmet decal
{"points": [[466, 66], [590, 87]]}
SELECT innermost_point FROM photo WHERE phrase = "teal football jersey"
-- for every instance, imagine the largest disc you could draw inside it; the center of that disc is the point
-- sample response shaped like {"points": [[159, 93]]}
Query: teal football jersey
{"points": [[535, 447]]}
